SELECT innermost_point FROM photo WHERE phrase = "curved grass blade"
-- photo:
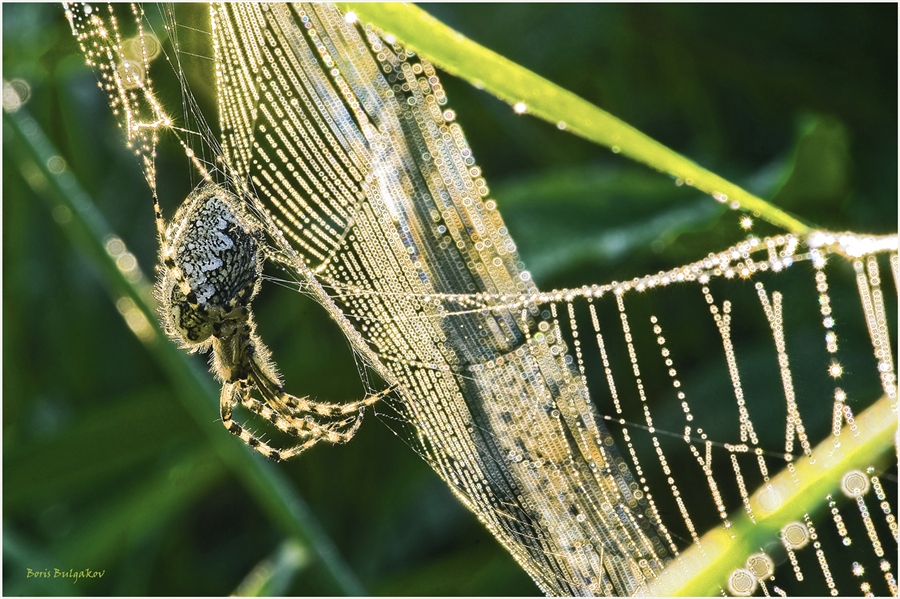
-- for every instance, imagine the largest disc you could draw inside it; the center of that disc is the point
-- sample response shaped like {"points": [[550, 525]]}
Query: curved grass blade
{"points": [[514, 84], [724, 550], [272, 576]]}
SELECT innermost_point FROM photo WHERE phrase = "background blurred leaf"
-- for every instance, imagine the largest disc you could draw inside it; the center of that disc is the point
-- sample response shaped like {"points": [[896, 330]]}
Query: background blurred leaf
{"points": [[819, 175], [272, 577], [82, 456]]}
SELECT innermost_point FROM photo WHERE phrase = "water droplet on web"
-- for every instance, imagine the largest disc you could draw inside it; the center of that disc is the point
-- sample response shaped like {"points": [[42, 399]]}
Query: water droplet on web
{"points": [[132, 73], [855, 484], [760, 565], [795, 535], [741, 583]]}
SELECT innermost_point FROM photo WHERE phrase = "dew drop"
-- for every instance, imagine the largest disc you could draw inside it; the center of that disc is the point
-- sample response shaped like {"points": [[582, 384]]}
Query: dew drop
{"points": [[855, 484]]}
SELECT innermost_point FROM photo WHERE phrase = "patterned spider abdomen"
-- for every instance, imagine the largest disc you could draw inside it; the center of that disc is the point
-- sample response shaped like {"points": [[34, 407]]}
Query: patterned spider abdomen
{"points": [[211, 264]]}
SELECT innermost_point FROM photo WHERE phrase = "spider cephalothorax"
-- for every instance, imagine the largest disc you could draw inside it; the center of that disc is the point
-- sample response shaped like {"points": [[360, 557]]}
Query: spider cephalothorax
{"points": [[211, 261]]}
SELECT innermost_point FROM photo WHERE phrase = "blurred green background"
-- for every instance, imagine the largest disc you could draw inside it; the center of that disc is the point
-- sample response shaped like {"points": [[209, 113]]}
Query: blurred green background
{"points": [[104, 467]]}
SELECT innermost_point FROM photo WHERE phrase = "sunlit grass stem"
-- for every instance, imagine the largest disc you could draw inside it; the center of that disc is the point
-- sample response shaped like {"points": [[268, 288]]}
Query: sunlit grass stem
{"points": [[803, 491], [512, 83]]}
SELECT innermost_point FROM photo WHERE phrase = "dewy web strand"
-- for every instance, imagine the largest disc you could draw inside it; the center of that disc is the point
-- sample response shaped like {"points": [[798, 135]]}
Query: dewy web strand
{"points": [[339, 143]]}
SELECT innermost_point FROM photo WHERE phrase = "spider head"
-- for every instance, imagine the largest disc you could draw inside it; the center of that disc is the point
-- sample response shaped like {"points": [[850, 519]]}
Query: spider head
{"points": [[211, 265]]}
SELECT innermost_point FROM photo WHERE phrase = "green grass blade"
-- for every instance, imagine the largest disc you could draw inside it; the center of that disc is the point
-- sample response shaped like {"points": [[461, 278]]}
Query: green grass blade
{"points": [[90, 234], [272, 577], [703, 573], [512, 83]]}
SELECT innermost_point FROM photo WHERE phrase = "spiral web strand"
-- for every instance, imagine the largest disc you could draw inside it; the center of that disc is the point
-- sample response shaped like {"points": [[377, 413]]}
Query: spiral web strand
{"points": [[543, 411]]}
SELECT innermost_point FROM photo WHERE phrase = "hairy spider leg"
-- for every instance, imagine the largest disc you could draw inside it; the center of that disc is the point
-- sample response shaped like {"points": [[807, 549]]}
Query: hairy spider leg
{"points": [[243, 362], [226, 407], [270, 388], [298, 425], [212, 256], [161, 231]]}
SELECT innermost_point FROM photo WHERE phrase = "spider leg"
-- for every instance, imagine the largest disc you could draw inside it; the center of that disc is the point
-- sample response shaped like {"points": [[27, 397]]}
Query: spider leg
{"points": [[226, 407], [330, 436], [304, 404], [297, 424], [274, 393], [315, 432]]}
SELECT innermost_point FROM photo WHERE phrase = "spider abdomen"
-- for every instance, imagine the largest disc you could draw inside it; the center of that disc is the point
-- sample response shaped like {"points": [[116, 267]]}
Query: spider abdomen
{"points": [[211, 265]]}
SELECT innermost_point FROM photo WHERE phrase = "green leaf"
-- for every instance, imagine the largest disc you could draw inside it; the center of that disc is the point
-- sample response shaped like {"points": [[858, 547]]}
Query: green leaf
{"points": [[591, 218]]}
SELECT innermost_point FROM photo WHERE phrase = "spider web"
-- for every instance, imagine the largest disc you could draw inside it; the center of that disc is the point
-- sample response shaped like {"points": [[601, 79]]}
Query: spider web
{"points": [[557, 417]]}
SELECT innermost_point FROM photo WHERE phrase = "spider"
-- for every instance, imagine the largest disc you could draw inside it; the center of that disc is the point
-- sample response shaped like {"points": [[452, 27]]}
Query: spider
{"points": [[211, 260]]}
